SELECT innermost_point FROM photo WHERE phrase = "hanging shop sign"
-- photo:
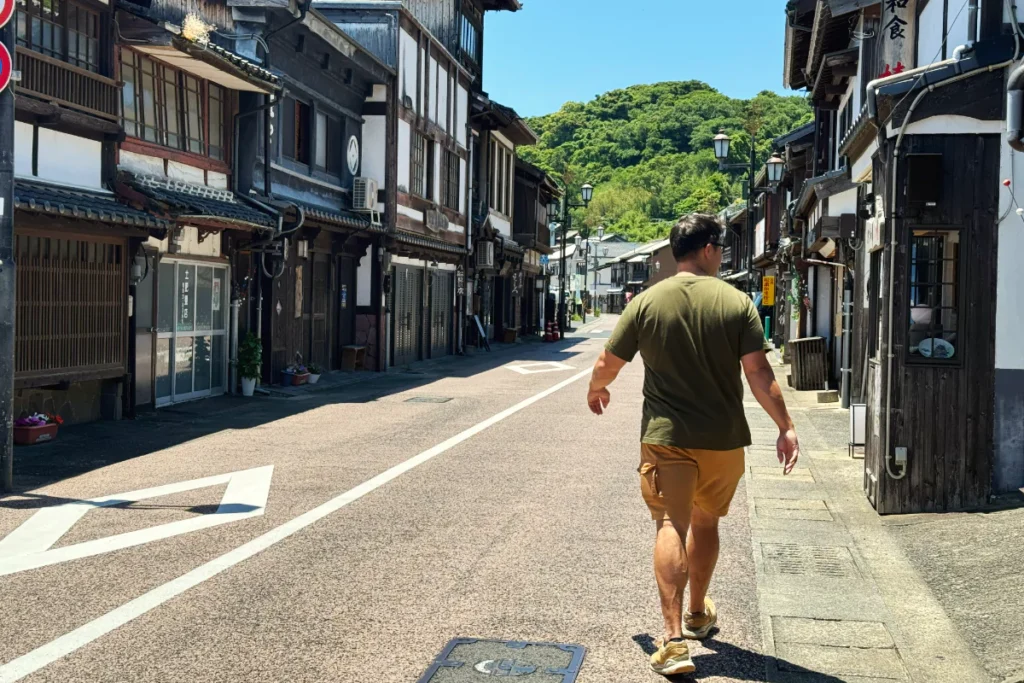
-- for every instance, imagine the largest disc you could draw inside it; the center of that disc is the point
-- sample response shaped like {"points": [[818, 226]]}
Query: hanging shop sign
{"points": [[768, 290], [898, 39]]}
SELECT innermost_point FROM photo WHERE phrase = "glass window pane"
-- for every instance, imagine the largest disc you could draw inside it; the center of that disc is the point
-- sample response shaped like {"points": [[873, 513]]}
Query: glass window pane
{"points": [[182, 366], [321, 140], [217, 374], [204, 295], [219, 296], [163, 368], [186, 298], [202, 361], [165, 298], [148, 100], [171, 108]]}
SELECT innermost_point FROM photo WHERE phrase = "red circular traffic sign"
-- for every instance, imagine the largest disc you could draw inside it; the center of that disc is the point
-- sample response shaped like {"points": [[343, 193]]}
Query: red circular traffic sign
{"points": [[6, 11], [6, 67]]}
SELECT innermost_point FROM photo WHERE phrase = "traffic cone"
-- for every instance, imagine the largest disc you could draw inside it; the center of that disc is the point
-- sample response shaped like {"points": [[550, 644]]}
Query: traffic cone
{"points": [[557, 333], [548, 334]]}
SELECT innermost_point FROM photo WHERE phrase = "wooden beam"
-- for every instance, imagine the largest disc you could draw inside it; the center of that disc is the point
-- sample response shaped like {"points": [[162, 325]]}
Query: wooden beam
{"points": [[845, 70]]}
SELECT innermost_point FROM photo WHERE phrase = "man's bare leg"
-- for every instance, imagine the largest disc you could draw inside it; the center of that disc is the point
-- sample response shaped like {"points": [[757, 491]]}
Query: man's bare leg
{"points": [[670, 570], [702, 546]]}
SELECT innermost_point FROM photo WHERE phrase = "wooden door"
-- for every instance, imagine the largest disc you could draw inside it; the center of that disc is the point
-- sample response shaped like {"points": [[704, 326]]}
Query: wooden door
{"points": [[319, 332], [345, 296], [441, 294], [407, 317]]}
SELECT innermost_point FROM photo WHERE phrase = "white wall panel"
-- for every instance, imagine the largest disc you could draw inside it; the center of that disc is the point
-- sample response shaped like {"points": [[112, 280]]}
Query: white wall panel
{"points": [[407, 54], [442, 98], [69, 159], [374, 148], [364, 278], [404, 142], [1010, 276], [929, 34], [432, 105], [23, 149], [185, 173], [462, 113], [956, 28]]}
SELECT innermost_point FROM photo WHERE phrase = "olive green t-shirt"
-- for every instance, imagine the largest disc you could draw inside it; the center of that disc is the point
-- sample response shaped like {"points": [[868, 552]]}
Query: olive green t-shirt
{"points": [[691, 333]]}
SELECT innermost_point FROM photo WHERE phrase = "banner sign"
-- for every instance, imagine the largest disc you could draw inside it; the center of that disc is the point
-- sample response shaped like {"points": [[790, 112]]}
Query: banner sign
{"points": [[768, 290]]}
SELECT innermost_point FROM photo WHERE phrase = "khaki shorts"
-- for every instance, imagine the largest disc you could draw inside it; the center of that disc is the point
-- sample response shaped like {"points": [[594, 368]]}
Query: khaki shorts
{"points": [[673, 480]]}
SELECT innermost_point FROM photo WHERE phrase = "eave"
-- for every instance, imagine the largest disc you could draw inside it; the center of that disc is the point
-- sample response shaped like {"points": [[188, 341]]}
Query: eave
{"points": [[799, 15]]}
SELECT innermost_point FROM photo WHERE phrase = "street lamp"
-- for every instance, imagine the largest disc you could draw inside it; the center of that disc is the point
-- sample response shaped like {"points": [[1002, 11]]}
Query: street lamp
{"points": [[776, 167], [600, 237], [560, 212]]}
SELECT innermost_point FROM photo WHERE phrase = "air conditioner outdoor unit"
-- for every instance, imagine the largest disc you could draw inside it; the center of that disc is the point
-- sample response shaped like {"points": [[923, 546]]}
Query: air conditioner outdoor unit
{"points": [[485, 254], [364, 195]]}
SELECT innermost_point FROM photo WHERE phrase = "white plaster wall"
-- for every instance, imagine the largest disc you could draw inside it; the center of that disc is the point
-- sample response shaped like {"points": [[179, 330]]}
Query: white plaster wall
{"points": [[185, 173], [422, 69], [950, 124], [407, 53], [1010, 276], [844, 202], [405, 261], [437, 169], [364, 278], [379, 93], [462, 186], [862, 166], [190, 244], [929, 34], [374, 148], [500, 224], [69, 159], [442, 98], [404, 142], [450, 267], [217, 180], [23, 149], [956, 28], [432, 105], [759, 238], [411, 213], [140, 163], [462, 114], [822, 300]]}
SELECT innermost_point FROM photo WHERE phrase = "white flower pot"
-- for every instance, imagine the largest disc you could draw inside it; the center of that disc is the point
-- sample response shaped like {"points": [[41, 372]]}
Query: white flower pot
{"points": [[313, 379], [248, 386]]}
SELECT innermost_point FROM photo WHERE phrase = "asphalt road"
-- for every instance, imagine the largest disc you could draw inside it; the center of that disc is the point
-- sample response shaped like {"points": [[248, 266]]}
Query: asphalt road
{"points": [[390, 527]]}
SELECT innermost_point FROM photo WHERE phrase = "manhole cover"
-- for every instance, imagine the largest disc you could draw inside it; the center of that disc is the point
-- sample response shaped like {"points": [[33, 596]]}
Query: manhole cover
{"points": [[465, 660], [428, 399], [834, 562]]}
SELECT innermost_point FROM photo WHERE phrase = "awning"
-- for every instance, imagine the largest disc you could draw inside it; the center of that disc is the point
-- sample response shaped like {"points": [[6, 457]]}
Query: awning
{"points": [[340, 218], [213, 63], [92, 205], [187, 202], [429, 243]]}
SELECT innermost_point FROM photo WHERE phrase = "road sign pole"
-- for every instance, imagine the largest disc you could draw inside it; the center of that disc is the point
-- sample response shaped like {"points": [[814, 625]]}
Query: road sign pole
{"points": [[7, 275]]}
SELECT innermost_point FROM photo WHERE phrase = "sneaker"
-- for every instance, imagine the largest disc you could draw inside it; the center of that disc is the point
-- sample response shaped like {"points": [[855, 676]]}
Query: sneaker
{"points": [[698, 626], [672, 658]]}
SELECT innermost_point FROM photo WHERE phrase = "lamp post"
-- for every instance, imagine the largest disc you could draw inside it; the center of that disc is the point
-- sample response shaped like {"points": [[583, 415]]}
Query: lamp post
{"points": [[593, 296], [560, 212], [775, 169]]}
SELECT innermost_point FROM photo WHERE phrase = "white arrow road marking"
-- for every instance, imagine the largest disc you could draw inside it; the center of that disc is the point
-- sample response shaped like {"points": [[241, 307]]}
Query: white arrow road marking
{"points": [[537, 368], [45, 655], [28, 546]]}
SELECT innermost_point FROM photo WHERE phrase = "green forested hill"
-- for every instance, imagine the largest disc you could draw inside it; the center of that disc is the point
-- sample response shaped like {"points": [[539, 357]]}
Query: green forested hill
{"points": [[648, 150]]}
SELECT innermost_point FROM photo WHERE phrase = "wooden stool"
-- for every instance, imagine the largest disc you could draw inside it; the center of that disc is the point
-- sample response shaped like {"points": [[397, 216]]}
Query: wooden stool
{"points": [[352, 358]]}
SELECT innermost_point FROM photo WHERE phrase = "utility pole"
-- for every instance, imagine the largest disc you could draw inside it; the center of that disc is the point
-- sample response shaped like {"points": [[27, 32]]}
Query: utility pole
{"points": [[7, 273]]}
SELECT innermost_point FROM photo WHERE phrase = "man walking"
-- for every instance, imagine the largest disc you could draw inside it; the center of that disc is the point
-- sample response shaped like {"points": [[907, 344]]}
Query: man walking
{"points": [[694, 332]]}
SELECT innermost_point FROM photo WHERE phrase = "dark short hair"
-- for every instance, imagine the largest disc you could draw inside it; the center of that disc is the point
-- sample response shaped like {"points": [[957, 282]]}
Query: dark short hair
{"points": [[694, 232]]}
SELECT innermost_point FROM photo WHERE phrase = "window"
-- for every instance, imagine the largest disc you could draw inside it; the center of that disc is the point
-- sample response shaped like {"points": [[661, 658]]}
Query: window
{"points": [[295, 130], [328, 144], [163, 105], [934, 297], [429, 194], [469, 39], [60, 29], [216, 114], [450, 179], [502, 177], [419, 163]]}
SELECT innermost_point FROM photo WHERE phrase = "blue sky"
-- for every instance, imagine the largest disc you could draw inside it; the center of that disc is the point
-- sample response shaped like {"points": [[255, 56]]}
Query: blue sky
{"points": [[559, 50]]}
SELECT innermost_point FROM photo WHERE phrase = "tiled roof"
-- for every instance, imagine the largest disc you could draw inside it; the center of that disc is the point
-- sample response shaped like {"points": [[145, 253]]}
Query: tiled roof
{"points": [[420, 241], [246, 65], [96, 205], [343, 218], [199, 201]]}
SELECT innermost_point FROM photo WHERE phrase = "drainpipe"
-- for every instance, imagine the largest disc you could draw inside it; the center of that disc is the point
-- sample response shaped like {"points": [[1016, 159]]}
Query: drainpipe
{"points": [[235, 305], [1015, 109]]}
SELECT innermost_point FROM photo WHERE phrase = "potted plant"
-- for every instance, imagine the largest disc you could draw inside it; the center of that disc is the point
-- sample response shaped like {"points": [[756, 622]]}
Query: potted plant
{"points": [[314, 373], [36, 428], [296, 375], [250, 362]]}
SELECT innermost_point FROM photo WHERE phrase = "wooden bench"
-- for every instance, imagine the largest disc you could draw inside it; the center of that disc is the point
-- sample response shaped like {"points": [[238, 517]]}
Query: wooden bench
{"points": [[352, 358]]}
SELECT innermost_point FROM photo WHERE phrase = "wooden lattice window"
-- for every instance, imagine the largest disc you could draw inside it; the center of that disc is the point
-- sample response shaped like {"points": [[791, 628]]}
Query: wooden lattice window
{"points": [[71, 319], [934, 294], [419, 164], [59, 29], [450, 179]]}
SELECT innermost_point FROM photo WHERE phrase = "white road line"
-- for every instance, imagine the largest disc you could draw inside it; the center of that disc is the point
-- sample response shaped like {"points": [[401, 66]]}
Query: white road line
{"points": [[83, 635]]}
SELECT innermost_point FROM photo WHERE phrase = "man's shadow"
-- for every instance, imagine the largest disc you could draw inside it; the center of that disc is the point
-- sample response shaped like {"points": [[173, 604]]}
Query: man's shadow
{"points": [[735, 663]]}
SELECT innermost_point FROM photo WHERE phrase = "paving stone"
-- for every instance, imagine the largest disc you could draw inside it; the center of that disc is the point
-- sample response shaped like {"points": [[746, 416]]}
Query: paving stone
{"points": [[785, 508], [760, 472], [841, 661], [834, 633]]}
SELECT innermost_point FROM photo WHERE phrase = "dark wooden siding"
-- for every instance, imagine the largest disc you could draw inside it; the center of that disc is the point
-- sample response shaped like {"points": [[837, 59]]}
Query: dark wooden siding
{"points": [[943, 413]]}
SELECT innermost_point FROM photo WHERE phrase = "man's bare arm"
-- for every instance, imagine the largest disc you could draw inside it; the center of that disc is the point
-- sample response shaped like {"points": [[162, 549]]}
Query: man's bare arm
{"points": [[768, 393], [606, 369]]}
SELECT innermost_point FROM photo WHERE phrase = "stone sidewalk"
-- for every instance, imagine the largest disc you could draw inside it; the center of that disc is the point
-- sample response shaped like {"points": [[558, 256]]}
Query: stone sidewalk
{"points": [[839, 599]]}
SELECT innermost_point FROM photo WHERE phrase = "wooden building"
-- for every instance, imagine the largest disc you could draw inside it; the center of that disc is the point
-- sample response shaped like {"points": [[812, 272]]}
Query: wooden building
{"points": [[908, 156], [534, 191], [76, 245]]}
